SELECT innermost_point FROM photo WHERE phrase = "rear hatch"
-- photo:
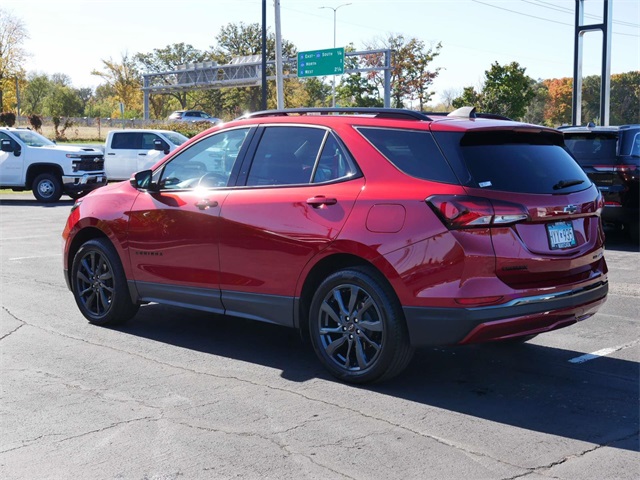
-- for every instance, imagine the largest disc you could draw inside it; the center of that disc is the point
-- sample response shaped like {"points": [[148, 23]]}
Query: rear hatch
{"points": [[542, 210], [597, 154]]}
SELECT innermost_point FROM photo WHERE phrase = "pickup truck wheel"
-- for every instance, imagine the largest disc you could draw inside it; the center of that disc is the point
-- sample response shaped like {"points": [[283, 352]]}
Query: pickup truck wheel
{"points": [[100, 285], [47, 188]]}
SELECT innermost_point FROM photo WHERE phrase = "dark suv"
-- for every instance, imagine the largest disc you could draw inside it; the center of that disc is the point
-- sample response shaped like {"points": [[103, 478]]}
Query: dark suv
{"points": [[371, 231], [611, 158]]}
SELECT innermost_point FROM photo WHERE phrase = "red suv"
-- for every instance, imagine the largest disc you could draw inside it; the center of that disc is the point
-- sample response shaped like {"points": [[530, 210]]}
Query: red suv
{"points": [[373, 231]]}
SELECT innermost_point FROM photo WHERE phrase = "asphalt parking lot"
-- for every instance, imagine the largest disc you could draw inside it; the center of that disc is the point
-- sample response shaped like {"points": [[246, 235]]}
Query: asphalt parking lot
{"points": [[181, 394]]}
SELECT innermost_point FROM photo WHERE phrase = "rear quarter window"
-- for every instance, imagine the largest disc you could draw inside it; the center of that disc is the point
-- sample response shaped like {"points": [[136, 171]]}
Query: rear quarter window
{"points": [[519, 162], [412, 151]]}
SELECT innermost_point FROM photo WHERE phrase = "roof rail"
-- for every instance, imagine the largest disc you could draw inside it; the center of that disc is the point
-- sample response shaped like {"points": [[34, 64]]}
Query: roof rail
{"points": [[398, 113]]}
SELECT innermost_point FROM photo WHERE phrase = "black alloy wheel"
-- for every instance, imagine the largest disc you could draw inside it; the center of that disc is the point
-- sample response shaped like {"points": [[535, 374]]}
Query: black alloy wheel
{"points": [[100, 286], [357, 327]]}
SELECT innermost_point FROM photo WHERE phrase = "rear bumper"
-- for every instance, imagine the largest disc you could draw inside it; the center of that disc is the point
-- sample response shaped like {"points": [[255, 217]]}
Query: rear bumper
{"points": [[524, 316]]}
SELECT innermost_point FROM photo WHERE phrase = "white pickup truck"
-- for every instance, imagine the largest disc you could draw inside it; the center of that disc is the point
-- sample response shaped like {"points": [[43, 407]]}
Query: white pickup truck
{"points": [[30, 161], [132, 150]]}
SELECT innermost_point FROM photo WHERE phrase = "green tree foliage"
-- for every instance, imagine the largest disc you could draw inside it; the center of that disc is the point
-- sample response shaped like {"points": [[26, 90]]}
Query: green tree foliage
{"points": [[168, 59], [469, 98], [12, 56], [507, 90], [35, 93], [536, 108]]}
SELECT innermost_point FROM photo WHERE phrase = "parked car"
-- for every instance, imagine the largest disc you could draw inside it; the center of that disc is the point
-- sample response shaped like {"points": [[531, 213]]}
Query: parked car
{"points": [[129, 151], [611, 158], [193, 116], [373, 231], [30, 161]]}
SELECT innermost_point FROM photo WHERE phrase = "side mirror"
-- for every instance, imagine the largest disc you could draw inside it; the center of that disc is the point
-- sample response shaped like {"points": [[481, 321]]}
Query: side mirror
{"points": [[143, 181], [7, 146], [161, 146]]}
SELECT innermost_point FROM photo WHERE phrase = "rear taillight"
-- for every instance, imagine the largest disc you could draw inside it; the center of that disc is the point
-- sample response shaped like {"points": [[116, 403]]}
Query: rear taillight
{"points": [[461, 211]]}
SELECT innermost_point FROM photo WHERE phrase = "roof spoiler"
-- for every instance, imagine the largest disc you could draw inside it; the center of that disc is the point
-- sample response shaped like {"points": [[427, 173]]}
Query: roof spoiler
{"points": [[470, 112]]}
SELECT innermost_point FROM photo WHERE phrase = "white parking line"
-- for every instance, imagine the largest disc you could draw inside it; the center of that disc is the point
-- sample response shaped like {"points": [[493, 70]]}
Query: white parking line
{"points": [[602, 353], [35, 256]]}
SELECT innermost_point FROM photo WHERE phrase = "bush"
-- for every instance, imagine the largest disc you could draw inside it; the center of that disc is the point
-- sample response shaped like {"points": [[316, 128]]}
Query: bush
{"points": [[8, 119], [36, 122]]}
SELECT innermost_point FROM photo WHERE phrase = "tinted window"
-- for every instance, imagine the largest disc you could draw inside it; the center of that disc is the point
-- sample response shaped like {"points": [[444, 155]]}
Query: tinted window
{"points": [[516, 162], [148, 140], [207, 163], [334, 163], [413, 152], [286, 156], [126, 141], [592, 149]]}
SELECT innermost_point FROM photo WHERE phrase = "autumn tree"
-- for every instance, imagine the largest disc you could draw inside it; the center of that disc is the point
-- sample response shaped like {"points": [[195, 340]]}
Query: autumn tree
{"points": [[12, 56], [410, 73], [125, 80], [558, 108]]}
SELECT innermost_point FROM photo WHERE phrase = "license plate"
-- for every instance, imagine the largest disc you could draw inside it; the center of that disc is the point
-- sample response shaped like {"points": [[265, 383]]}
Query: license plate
{"points": [[561, 235]]}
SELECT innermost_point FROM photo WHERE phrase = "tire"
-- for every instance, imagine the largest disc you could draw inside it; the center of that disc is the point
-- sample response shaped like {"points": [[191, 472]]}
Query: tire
{"points": [[357, 327], [100, 286], [47, 188]]}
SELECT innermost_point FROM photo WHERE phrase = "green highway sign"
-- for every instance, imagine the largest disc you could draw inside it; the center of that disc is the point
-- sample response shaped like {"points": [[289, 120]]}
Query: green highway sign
{"points": [[318, 63]]}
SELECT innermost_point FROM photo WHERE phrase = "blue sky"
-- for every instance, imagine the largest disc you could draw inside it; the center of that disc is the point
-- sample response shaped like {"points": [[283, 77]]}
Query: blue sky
{"points": [[73, 36]]}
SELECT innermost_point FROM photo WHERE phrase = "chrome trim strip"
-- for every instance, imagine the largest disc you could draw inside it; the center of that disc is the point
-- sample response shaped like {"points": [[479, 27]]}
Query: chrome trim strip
{"points": [[543, 298]]}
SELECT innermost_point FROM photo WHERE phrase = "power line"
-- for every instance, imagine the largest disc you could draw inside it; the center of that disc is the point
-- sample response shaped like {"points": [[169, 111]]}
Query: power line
{"points": [[542, 18], [551, 6]]}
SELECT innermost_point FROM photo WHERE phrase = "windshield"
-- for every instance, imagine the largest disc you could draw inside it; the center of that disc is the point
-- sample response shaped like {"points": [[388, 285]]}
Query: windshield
{"points": [[32, 139], [175, 137]]}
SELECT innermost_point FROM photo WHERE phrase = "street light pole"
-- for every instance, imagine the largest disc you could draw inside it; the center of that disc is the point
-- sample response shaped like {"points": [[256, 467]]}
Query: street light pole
{"points": [[335, 10]]}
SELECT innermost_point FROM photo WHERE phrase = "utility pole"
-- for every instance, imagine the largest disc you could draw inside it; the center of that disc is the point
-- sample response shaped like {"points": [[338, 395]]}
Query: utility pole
{"points": [[335, 10], [279, 78]]}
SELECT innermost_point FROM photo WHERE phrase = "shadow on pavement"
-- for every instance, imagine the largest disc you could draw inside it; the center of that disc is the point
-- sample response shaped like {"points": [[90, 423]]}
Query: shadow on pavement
{"points": [[527, 386]]}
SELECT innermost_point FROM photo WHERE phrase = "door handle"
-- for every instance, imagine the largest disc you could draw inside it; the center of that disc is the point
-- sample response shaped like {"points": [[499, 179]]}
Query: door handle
{"points": [[320, 200], [206, 203], [142, 154]]}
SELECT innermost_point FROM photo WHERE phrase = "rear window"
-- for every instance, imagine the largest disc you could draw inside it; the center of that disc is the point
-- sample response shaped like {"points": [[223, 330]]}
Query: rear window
{"points": [[414, 152], [590, 149], [523, 162]]}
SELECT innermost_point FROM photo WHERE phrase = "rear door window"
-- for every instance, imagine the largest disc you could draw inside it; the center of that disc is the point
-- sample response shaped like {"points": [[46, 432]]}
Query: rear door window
{"points": [[412, 151], [523, 162], [127, 141]]}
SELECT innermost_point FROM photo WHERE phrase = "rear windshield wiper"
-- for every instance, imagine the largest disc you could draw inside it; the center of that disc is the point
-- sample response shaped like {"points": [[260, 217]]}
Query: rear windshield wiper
{"points": [[567, 183]]}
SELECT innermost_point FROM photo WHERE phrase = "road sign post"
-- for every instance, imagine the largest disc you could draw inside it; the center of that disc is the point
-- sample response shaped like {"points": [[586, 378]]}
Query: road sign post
{"points": [[317, 63]]}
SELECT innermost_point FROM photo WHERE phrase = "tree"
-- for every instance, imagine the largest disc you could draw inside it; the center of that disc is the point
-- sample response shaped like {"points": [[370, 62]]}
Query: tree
{"points": [[410, 76], [236, 40], [507, 90], [35, 93], [168, 59], [469, 98], [625, 98], [558, 108], [125, 81], [535, 112], [12, 33]]}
